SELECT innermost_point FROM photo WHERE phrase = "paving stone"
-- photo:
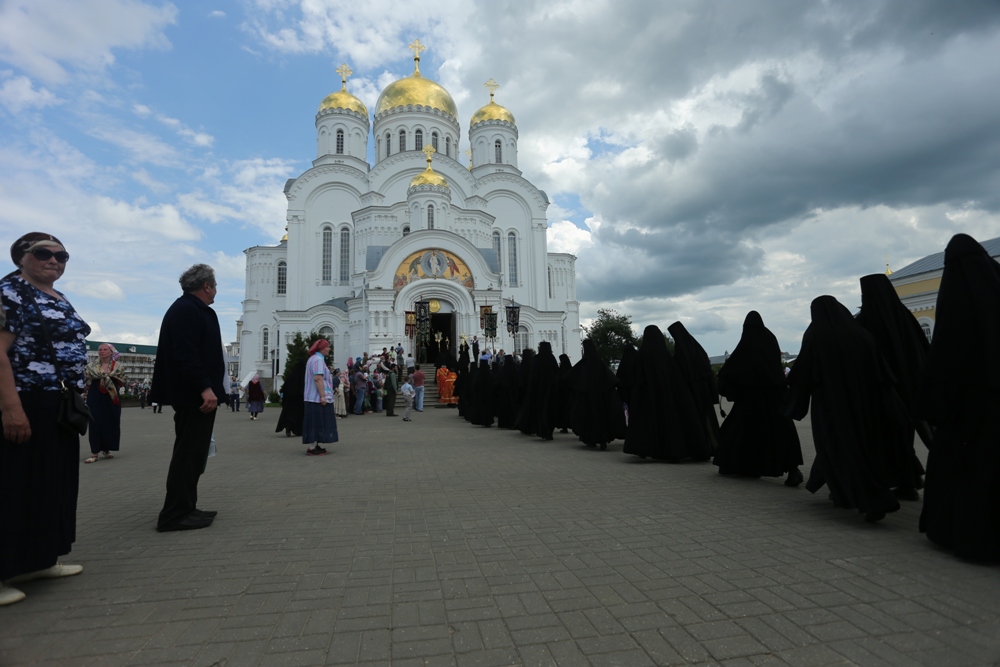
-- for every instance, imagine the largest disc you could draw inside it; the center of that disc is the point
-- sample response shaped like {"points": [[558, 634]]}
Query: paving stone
{"points": [[441, 544]]}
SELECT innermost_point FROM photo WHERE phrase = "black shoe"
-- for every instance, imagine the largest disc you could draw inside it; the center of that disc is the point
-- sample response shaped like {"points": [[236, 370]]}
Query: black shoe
{"points": [[318, 451], [873, 516], [794, 477], [204, 514], [190, 522]]}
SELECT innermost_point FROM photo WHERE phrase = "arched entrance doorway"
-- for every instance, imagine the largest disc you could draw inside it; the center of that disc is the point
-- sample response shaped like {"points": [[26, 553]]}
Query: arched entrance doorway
{"points": [[444, 332]]}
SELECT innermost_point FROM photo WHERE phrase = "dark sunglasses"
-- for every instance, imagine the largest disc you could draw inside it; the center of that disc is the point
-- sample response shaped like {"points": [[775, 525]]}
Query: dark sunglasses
{"points": [[44, 255]]}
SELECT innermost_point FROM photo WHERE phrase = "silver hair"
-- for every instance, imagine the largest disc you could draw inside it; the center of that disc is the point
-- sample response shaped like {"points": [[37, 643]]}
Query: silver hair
{"points": [[195, 278]]}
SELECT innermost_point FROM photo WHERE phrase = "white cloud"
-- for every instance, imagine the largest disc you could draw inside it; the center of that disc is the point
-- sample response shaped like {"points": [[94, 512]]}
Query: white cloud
{"points": [[217, 14], [105, 290], [18, 93], [44, 37], [564, 236]]}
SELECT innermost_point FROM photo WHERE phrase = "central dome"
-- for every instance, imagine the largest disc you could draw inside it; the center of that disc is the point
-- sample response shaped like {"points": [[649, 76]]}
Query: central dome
{"points": [[416, 90]]}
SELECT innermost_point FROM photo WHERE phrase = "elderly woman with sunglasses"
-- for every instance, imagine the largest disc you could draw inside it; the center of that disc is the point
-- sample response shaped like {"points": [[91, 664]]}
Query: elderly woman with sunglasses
{"points": [[42, 350]]}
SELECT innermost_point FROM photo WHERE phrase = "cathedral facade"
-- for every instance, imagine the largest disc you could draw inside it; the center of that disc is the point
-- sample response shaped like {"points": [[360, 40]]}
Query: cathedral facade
{"points": [[366, 242]]}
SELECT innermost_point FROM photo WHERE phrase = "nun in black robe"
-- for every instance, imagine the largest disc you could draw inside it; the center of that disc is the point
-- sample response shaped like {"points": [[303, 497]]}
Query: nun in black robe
{"points": [[756, 439], [960, 391], [523, 373], [503, 393], [663, 422], [596, 409], [482, 395], [856, 414], [564, 394], [293, 400], [467, 401], [696, 369], [626, 376], [904, 347], [537, 415], [462, 381]]}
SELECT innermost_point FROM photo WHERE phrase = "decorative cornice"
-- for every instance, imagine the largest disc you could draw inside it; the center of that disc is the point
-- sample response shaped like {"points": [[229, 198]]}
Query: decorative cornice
{"points": [[419, 108], [513, 178], [343, 112], [493, 123], [427, 187], [324, 170]]}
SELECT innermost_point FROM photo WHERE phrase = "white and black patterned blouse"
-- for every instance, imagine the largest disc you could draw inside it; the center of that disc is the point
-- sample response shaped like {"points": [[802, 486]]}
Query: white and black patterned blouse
{"points": [[30, 355]]}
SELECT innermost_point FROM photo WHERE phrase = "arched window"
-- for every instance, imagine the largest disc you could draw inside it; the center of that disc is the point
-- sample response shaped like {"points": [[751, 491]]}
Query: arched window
{"points": [[402, 140], [418, 140], [265, 344], [496, 247], [447, 146], [434, 141], [927, 326], [327, 256], [512, 259], [282, 277], [388, 144], [522, 339], [345, 256], [378, 147], [498, 151], [406, 230], [430, 216], [340, 142], [550, 282]]}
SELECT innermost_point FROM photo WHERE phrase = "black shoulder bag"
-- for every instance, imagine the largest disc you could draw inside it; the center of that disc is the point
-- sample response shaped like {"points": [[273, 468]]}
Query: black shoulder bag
{"points": [[73, 414]]}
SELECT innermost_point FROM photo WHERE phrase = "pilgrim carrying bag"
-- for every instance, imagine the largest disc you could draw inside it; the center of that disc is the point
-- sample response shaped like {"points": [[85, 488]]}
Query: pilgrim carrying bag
{"points": [[72, 414]]}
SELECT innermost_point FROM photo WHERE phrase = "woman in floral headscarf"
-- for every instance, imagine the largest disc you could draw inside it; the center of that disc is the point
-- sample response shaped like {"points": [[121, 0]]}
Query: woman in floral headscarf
{"points": [[105, 377]]}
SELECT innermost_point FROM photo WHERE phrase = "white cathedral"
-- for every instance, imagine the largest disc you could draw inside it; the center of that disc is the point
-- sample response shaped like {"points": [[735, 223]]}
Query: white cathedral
{"points": [[365, 242]]}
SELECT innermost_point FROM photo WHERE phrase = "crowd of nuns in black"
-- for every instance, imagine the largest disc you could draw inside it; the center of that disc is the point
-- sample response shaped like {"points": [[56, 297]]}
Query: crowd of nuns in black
{"points": [[869, 382]]}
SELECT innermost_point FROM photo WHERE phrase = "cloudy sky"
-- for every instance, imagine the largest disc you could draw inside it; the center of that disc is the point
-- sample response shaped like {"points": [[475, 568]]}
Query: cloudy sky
{"points": [[703, 158]]}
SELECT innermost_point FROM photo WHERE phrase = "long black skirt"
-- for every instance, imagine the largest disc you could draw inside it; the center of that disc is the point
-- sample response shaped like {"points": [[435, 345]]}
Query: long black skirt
{"points": [[39, 481], [105, 431], [319, 424]]}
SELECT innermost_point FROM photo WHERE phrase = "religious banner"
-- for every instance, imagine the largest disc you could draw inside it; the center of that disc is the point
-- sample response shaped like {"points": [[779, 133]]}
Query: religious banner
{"points": [[513, 318], [490, 325], [411, 323], [483, 310], [423, 314]]}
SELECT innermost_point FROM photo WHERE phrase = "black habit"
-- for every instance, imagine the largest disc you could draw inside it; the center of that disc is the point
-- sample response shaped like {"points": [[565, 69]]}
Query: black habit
{"points": [[293, 400], [756, 439], [596, 410], [696, 369], [538, 407], [959, 393]]}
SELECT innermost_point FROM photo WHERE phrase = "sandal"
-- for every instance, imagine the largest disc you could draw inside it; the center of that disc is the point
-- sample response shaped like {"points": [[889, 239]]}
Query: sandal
{"points": [[108, 455], [92, 459]]}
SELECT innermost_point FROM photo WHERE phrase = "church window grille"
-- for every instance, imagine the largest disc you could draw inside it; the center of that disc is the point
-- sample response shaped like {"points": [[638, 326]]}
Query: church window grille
{"points": [[340, 142], [434, 141], [496, 247], [388, 144], [406, 230], [498, 151], [282, 278], [345, 256], [512, 259], [327, 256], [430, 216], [447, 146], [265, 343], [418, 140], [402, 140]]}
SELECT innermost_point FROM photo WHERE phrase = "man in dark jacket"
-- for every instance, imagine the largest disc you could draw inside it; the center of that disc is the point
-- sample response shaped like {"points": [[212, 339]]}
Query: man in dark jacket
{"points": [[189, 374]]}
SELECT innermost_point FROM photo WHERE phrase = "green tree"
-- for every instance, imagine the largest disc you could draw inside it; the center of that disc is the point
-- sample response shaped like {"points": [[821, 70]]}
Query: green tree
{"points": [[610, 331], [298, 349]]}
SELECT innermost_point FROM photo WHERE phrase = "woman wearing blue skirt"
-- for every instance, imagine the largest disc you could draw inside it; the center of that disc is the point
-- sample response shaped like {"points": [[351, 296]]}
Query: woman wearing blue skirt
{"points": [[319, 423]]}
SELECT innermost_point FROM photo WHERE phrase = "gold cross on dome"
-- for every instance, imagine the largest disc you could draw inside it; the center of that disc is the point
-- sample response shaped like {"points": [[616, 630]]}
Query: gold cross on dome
{"points": [[344, 71], [428, 151], [492, 86], [417, 48]]}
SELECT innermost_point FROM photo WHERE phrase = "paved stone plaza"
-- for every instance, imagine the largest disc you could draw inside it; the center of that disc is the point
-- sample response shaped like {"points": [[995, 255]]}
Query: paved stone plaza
{"points": [[437, 543]]}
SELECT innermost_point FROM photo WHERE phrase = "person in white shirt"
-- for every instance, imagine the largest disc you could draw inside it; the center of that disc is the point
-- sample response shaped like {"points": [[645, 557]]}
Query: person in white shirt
{"points": [[408, 393]]}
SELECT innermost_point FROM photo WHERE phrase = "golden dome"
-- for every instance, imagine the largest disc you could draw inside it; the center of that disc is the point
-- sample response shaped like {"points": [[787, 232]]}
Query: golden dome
{"points": [[417, 91], [428, 176], [492, 111], [342, 99]]}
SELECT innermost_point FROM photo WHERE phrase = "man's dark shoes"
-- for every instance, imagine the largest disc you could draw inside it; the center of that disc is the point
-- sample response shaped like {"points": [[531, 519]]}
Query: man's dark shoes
{"points": [[190, 522], [204, 514], [794, 477]]}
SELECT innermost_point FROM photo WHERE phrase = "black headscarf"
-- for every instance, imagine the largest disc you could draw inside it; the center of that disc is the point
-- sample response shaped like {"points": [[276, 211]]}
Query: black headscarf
{"points": [[755, 362]]}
